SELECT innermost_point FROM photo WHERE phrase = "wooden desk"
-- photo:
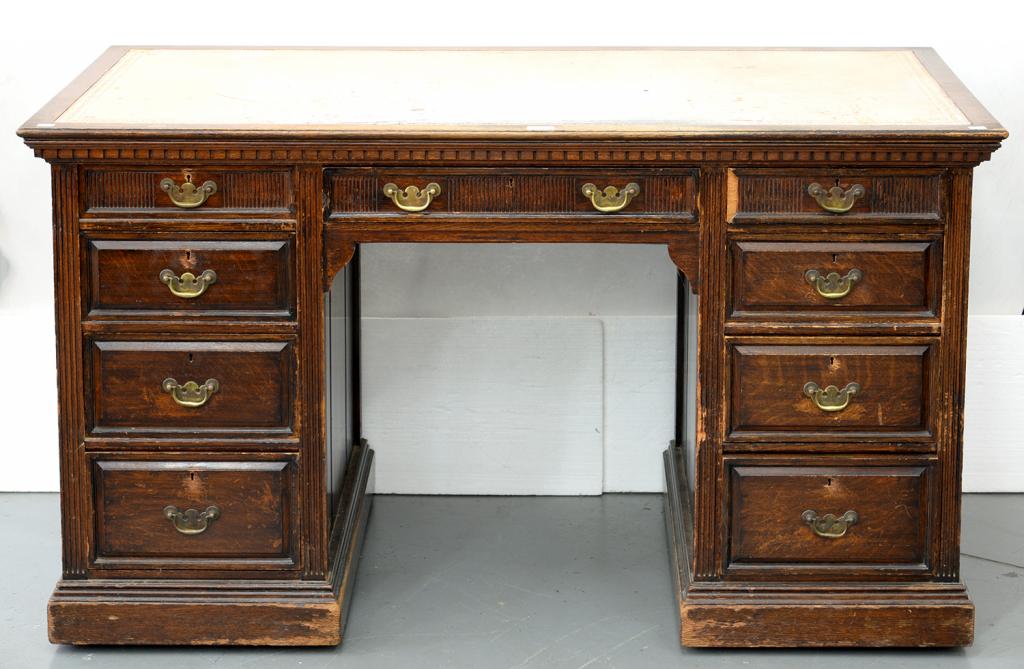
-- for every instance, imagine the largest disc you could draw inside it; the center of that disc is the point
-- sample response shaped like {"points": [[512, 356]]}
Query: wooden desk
{"points": [[208, 210]]}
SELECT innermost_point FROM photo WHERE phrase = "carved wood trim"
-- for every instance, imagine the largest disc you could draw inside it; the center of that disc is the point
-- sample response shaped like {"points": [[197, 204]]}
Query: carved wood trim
{"points": [[312, 425], [337, 255], [76, 512], [686, 256], [952, 365], [875, 150], [711, 377]]}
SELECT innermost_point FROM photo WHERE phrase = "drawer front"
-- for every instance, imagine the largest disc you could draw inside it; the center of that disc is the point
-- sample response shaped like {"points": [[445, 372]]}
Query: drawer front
{"points": [[766, 195], [193, 514], [209, 277], [810, 279], [507, 192], [858, 392], [144, 386], [827, 518], [195, 192]]}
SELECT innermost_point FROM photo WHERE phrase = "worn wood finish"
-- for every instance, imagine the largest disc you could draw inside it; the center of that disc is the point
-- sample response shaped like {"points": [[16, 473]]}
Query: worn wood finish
{"points": [[768, 196], [355, 192], [768, 399], [239, 608], [254, 278], [135, 192], [678, 520], [768, 533], [898, 279], [744, 613], [279, 443], [858, 618], [256, 382], [255, 523]]}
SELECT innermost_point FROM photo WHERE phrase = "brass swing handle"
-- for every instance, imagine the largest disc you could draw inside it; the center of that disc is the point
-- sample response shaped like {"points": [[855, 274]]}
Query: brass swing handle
{"points": [[412, 198], [835, 199], [831, 398], [832, 286], [611, 198], [187, 195], [188, 285], [190, 394], [191, 521], [829, 526]]}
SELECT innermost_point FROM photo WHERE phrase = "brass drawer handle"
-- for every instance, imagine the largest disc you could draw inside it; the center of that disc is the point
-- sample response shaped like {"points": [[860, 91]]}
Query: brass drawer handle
{"points": [[188, 285], [832, 286], [829, 526], [831, 398], [611, 198], [190, 394], [835, 199], [412, 198], [187, 195], [191, 521]]}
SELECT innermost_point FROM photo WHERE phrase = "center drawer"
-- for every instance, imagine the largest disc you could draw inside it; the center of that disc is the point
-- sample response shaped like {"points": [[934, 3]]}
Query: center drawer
{"points": [[189, 514], [511, 192], [830, 390], [187, 386]]}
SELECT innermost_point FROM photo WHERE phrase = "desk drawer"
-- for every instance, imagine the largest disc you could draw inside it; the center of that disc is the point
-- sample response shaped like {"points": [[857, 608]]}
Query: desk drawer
{"points": [[797, 279], [164, 277], [833, 196], [837, 390], [168, 513], [509, 192], [194, 193], [828, 518], [190, 387]]}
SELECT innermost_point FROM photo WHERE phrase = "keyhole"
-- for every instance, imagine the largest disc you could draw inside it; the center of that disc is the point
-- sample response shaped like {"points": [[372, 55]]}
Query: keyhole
{"points": [[188, 255], [190, 358], [828, 482], [511, 183], [835, 258], [188, 177], [192, 476], [837, 181]]}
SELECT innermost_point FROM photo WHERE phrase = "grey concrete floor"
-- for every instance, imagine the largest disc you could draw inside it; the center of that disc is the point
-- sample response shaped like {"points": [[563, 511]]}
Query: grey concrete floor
{"points": [[504, 582]]}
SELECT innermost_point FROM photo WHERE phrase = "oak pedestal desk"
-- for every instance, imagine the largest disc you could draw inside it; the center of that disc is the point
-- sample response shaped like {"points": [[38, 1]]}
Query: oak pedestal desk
{"points": [[208, 210]]}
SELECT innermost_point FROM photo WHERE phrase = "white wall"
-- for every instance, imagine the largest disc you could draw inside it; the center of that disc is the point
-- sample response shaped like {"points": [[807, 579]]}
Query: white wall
{"points": [[623, 294]]}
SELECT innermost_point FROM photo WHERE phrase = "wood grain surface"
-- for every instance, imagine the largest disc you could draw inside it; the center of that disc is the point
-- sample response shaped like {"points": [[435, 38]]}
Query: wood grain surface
{"points": [[723, 186]]}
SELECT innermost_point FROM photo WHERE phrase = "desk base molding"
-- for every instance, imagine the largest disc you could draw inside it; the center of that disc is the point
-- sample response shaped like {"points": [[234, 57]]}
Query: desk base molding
{"points": [[218, 612]]}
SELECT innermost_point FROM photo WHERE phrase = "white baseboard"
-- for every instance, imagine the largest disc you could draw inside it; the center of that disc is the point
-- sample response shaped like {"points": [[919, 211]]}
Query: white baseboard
{"points": [[994, 411], [471, 406], [518, 406]]}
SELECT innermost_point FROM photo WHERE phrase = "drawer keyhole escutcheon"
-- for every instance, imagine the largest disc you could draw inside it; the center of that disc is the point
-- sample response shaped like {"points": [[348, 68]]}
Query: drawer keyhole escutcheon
{"points": [[191, 521], [829, 526], [188, 195], [835, 199], [831, 398], [611, 198], [190, 393], [188, 285], [412, 198], [832, 286]]}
